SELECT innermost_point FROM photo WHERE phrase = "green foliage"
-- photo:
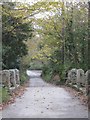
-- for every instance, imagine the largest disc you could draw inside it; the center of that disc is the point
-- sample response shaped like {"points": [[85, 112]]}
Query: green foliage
{"points": [[23, 78], [47, 73], [36, 65], [61, 42], [5, 94], [15, 32], [66, 33]]}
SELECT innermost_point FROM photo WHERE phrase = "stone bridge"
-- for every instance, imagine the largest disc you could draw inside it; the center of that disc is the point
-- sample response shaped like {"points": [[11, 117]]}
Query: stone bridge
{"points": [[10, 78]]}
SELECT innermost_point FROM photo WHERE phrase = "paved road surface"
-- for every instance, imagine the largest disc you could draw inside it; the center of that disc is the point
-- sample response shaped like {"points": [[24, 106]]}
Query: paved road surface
{"points": [[42, 100]]}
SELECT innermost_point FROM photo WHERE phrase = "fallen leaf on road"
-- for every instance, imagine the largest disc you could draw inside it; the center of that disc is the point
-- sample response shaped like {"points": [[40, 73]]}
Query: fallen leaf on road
{"points": [[51, 102], [26, 107], [18, 93]]}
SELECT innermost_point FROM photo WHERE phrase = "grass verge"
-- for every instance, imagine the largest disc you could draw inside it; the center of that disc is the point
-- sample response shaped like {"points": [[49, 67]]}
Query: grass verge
{"points": [[4, 95]]}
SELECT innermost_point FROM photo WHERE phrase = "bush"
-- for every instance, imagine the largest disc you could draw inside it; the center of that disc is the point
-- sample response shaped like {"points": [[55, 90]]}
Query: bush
{"points": [[47, 77], [36, 65], [52, 69], [23, 77], [4, 93], [47, 73]]}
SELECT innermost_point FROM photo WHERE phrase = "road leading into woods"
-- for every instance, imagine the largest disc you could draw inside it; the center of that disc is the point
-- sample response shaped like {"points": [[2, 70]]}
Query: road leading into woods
{"points": [[42, 100]]}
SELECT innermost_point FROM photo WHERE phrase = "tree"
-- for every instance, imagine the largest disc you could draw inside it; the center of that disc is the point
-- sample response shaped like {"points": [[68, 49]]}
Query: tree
{"points": [[15, 32], [66, 33]]}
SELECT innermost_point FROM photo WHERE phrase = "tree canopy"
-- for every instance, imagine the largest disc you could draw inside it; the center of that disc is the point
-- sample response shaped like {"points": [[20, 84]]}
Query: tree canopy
{"points": [[64, 36], [60, 34], [15, 31]]}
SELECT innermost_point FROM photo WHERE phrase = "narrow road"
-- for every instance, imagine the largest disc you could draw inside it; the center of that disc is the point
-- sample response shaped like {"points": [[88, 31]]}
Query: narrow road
{"points": [[42, 100]]}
